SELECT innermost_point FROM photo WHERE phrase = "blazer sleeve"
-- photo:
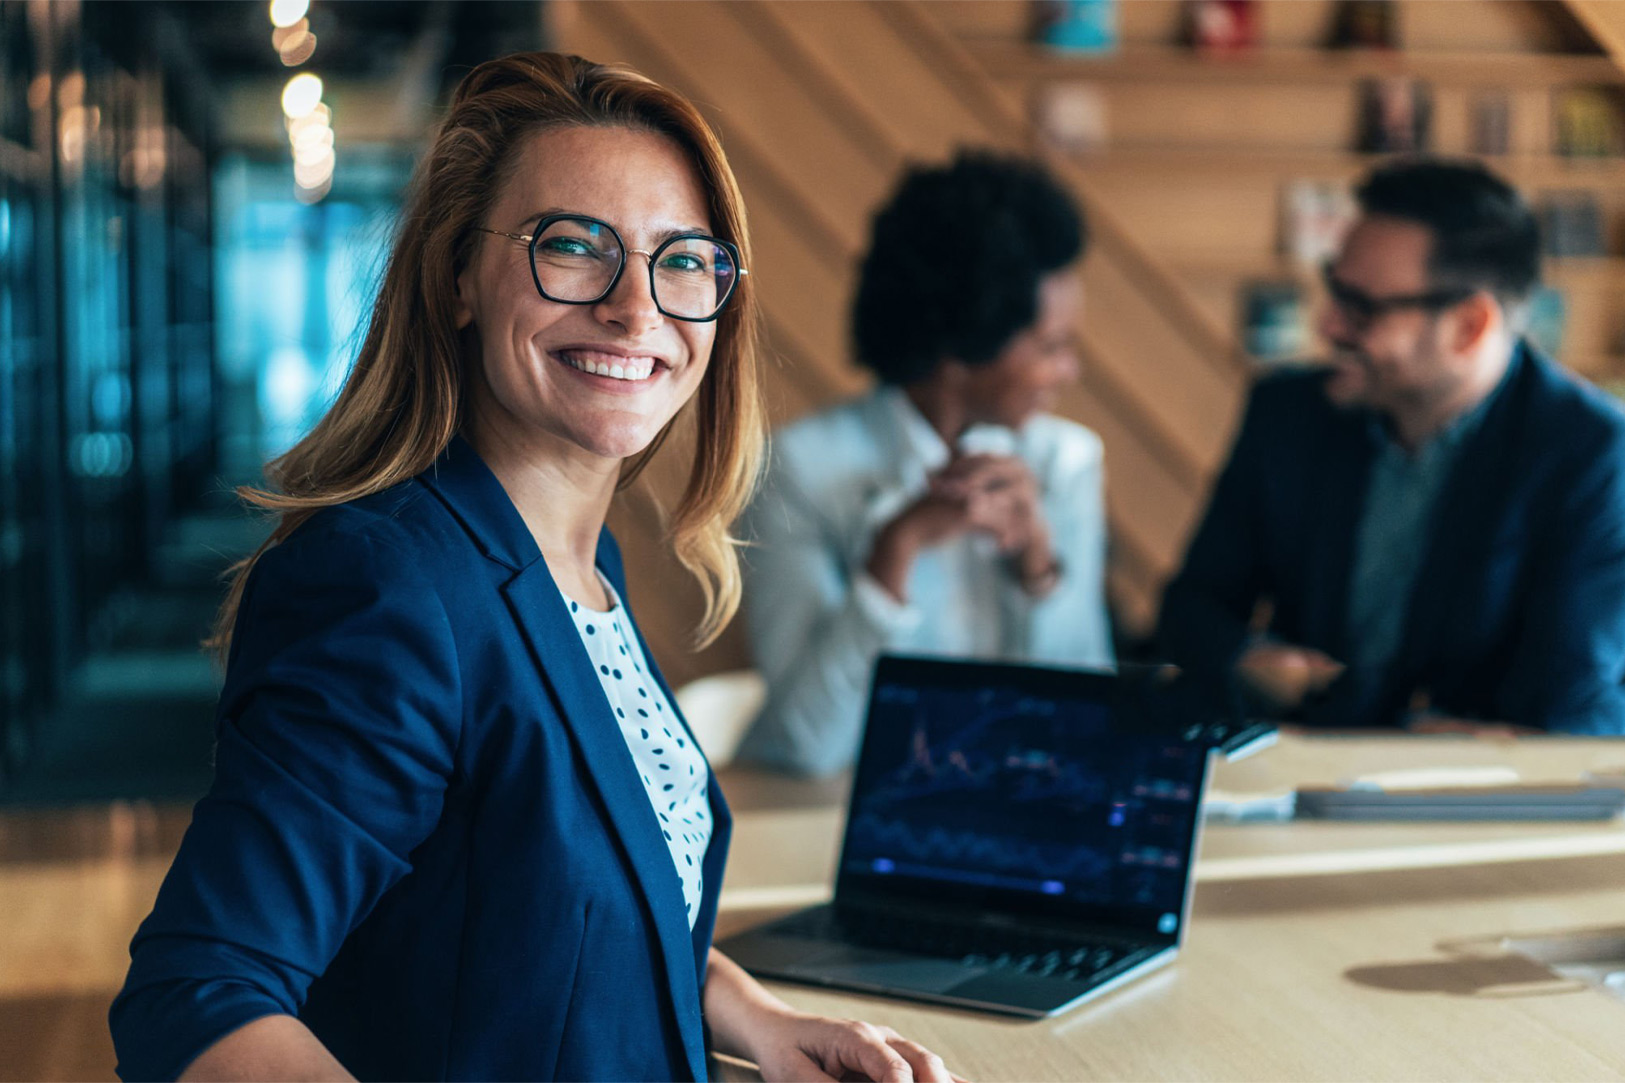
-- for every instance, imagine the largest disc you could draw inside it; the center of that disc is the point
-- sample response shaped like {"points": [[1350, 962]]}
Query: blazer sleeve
{"points": [[1569, 661], [1207, 608], [337, 732]]}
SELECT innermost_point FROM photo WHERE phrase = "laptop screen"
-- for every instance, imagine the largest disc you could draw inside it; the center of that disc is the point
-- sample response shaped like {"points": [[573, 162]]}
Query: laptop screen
{"points": [[1021, 790]]}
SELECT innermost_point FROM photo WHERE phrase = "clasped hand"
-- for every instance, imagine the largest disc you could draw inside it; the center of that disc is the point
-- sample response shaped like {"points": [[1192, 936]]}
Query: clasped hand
{"points": [[995, 495]]}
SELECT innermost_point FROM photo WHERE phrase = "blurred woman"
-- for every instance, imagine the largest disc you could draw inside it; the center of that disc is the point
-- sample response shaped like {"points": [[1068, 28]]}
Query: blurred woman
{"points": [[947, 512], [458, 828]]}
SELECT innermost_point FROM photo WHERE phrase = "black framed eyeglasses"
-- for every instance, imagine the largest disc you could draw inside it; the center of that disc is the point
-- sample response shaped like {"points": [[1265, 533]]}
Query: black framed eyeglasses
{"points": [[1363, 309], [577, 260]]}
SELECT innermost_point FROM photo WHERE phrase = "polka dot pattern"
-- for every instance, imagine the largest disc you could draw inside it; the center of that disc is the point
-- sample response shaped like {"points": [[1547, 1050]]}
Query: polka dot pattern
{"points": [[672, 769]]}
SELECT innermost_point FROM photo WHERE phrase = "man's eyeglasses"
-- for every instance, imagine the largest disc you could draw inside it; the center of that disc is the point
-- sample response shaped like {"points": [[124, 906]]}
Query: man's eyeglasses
{"points": [[576, 260], [1362, 309]]}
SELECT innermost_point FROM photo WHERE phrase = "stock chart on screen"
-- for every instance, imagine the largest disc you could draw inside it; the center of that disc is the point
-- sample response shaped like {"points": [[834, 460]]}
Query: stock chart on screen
{"points": [[1001, 788]]}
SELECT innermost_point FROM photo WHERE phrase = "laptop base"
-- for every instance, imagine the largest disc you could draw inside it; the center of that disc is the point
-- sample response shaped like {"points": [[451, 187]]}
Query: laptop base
{"points": [[975, 981]]}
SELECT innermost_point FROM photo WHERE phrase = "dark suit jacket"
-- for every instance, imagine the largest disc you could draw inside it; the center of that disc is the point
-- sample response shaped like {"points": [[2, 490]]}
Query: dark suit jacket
{"points": [[426, 837], [1518, 614]]}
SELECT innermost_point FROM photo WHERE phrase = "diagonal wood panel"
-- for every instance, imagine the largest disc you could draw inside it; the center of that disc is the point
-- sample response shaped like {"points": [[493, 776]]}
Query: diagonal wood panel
{"points": [[820, 105], [1604, 20]]}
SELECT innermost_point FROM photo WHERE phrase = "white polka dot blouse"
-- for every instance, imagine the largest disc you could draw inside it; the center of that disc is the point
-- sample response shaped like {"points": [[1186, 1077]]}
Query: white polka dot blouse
{"points": [[672, 769]]}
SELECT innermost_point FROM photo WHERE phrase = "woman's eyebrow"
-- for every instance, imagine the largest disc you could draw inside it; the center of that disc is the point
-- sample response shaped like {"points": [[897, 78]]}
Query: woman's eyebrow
{"points": [[539, 215], [659, 238], [681, 231]]}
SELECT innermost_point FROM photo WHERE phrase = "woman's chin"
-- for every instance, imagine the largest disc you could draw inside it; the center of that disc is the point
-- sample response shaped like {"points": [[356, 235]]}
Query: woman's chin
{"points": [[618, 442]]}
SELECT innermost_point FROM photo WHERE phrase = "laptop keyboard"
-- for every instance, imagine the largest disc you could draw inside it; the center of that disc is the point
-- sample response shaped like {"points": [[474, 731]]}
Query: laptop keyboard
{"points": [[1002, 948]]}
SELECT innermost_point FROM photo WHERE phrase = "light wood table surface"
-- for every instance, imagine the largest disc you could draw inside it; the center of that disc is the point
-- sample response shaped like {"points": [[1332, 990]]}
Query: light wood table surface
{"points": [[788, 831], [1316, 950], [1394, 973]]}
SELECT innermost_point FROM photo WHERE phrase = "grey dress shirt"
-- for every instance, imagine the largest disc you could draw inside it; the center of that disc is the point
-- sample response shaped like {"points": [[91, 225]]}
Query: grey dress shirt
{"points": [[1396, 526]]}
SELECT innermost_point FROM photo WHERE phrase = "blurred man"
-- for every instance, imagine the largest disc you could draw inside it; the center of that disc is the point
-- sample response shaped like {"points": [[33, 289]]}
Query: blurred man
{"points": [[1430, 531]]}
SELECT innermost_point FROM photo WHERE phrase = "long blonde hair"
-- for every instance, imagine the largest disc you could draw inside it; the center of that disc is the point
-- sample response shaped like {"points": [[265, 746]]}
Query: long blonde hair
{"points": [[404, 398]]}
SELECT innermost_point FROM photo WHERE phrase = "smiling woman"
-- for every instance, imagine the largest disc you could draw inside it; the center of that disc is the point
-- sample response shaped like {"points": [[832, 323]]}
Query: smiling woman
{"points": [[459, 828], [548, 369]]}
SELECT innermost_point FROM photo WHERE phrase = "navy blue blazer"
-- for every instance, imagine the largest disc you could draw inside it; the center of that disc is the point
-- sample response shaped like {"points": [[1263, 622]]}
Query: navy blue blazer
{"points": [[1518, 614], [426, 837]]}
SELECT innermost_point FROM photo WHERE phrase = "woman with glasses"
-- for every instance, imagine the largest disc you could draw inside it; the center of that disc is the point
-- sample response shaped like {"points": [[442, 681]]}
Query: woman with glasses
{"points": [[948, 511], [458, 828]]}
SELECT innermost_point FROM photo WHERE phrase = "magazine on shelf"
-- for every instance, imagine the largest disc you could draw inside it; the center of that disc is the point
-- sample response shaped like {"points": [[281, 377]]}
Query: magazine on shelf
{"points": [[1395, 115]]}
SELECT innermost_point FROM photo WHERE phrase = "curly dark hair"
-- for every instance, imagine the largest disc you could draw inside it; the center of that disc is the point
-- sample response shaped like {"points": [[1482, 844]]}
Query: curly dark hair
{"points": [[954, 263]]}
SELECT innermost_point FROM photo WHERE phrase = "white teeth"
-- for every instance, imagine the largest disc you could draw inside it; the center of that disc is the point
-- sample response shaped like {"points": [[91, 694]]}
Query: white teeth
{"points": [[614, 372]]}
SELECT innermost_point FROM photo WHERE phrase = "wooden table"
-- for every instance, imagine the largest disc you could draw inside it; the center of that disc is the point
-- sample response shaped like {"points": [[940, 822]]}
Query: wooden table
{"points": [[1316, 951], [1296, 968]]}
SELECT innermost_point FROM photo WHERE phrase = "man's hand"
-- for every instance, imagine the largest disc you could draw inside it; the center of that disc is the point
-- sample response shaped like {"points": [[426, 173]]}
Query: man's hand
{"points": [[1286, 674], [1437, 723]]}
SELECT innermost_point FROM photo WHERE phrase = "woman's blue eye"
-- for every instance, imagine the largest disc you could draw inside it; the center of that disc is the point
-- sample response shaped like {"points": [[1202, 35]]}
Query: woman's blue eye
{"points": [[686, 262], [567, 246]]}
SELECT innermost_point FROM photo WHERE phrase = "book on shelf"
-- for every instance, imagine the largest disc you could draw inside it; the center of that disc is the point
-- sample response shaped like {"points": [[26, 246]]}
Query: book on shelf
{"points": [[1070, 116], [1314, 216], [1364, 24], [1489, 122], [1218, 27], [1586, 123], [1274, 320], [1571, 224], [1076, 26], [1395, 115]]}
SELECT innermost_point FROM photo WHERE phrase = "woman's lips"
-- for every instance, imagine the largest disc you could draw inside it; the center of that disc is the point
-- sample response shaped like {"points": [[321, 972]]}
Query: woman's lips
{"points": [[614, 366]]}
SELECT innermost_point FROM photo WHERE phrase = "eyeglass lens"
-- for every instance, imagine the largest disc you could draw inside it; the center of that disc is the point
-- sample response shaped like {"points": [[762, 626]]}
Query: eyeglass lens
{"points": [[1353, 303], [577, 259]]}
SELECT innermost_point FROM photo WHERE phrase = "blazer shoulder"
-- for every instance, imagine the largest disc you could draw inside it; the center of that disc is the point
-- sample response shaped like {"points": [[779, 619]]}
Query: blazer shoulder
{"points": [[403, 520], [1575, 414]]}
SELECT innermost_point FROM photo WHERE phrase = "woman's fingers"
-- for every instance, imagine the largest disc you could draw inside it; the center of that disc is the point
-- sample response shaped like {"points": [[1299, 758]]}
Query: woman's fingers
{"points": [[926, 1065], [862, 1047]]}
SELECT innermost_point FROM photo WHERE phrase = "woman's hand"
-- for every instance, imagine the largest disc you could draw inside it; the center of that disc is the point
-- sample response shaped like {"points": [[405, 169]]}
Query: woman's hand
{"points": [[996, 495], [1001, 498], [795, 1046], [750, 1022]]}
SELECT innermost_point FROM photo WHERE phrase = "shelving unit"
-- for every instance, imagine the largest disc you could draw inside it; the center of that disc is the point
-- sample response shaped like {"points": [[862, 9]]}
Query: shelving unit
{"points": [[1296, 66], [1198, 149]]}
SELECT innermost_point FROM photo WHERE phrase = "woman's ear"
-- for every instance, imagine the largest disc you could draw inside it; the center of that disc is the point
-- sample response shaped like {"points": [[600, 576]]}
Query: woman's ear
{"points": [[461, 291]]}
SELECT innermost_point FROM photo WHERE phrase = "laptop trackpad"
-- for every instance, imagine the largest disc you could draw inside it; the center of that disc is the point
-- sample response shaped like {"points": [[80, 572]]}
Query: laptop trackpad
{"points": [[884, 970]]}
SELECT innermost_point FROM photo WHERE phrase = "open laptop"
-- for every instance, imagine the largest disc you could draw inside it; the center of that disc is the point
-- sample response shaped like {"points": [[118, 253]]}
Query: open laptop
{"points": [[1013, 844]]}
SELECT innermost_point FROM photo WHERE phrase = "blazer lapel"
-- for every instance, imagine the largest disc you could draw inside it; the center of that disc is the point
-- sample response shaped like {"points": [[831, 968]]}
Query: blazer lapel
{"points": [[579, 698], [716, 854], [478, 500], [1463, 510], [1341, 501]]}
